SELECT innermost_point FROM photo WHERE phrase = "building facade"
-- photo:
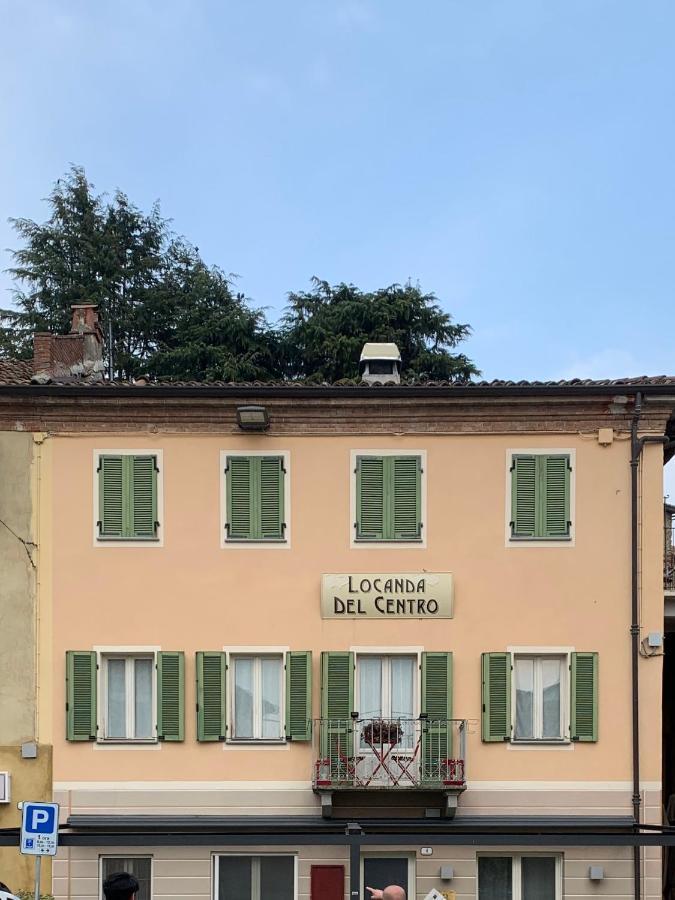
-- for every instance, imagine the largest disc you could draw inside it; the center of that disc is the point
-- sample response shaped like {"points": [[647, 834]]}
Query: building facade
{"points": [[25, 754], [385, 638]]}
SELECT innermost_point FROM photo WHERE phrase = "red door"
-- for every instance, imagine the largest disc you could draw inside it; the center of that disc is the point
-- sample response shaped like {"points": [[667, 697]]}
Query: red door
{"points": [[327, 883]]}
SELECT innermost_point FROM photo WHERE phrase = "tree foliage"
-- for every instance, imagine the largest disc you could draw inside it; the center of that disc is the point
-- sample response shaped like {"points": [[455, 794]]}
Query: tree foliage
{"points": [[163, 310], [166, 313], [324, 330]]}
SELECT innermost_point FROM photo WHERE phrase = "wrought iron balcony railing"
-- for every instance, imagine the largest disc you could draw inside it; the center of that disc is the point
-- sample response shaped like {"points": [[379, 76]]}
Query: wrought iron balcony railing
{"points": [[364, 754]]}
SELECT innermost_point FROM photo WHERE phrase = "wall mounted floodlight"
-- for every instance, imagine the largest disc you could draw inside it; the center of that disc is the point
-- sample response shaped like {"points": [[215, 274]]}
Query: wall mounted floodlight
{"points": [[253, 418]]}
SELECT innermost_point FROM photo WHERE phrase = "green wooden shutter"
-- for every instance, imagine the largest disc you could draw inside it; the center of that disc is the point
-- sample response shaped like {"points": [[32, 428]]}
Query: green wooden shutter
{"points": [[299, 695], [437, 704], [110, 496], [239, 498], [170, 696], [370, 498], [584, 697], [406, 493], [81, 695], [524, 496], [271, 493], [554, 480], [337, 705], [496, 690], [142, 481], [211, 696]]}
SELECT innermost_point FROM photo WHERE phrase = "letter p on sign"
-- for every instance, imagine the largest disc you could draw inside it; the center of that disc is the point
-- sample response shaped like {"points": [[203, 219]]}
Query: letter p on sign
{"points": [[41, 819]]}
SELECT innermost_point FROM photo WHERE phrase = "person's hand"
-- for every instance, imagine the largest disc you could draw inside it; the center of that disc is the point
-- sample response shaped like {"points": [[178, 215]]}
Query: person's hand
{"points": [[375, 894]]}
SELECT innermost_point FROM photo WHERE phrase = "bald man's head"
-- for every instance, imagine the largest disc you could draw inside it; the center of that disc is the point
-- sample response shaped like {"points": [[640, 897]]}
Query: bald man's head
{"points": [[393, 892]]}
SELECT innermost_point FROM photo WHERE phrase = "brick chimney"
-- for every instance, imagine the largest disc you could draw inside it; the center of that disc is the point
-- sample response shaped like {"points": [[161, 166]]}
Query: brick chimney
{"points": [[77, 356]]}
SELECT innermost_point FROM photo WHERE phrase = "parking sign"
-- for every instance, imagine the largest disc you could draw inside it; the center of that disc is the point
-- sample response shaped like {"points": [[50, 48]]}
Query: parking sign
{"points": [[40, 828]]}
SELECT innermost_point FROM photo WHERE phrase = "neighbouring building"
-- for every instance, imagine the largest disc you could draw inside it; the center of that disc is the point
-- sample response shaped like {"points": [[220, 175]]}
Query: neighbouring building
{"points": [[309, 638]]}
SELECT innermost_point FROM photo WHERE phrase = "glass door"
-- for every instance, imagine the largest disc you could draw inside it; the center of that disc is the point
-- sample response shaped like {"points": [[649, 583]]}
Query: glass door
{"points": [[382, 871]]}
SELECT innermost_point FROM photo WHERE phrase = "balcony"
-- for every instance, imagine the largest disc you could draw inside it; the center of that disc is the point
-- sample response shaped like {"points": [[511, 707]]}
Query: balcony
{"points": [[413, 755]]}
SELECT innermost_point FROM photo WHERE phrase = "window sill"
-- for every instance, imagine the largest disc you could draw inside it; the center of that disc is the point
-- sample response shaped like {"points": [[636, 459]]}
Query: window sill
{"points": [[536, 742], [127, 742], [379, 541], [249, 742], [528, 539], [104, 539], [258, 541]]}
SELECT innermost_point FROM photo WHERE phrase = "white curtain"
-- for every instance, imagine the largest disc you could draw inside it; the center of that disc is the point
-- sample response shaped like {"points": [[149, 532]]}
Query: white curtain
{"points": [[143, 698], [271, 698], [117, 718], [243, 698]]}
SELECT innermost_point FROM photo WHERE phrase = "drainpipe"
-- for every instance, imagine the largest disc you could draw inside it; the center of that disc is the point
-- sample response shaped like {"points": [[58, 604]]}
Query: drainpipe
{"points": [[636, 452], [637, 446]]}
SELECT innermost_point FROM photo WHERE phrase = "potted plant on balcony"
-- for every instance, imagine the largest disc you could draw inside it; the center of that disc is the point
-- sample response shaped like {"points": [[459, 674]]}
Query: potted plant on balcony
{"points": [[381, 731]]}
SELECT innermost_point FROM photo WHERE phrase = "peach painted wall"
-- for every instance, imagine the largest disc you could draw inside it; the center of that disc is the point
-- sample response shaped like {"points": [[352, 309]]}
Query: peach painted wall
{"points": [[192, 595]]}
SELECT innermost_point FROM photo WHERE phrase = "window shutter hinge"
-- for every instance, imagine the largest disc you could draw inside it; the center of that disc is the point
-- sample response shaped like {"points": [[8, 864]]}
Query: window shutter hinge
{"points": [[513, 466], [283, 468], [226, 469]]}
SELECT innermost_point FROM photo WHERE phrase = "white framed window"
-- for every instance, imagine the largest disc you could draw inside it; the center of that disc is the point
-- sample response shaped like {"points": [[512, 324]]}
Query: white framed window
{"points": [[128, 691], [387, 687], [388, 499], [128, 492], [255, 499], [522, 876], [256, 696], [264, 877], [540, 497], [138, 866], [540, 692]]}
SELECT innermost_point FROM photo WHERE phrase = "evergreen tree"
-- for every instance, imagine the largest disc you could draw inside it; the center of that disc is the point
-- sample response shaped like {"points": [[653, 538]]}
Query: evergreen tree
{"points": [[324, 330], [166, 313], [162, 309], [205, 331]]}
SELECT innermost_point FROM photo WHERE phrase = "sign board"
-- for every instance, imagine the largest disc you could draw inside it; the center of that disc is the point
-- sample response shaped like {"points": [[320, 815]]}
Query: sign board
{"points": [[407, 595], [4, 787], [435, 895], [39, 828]]}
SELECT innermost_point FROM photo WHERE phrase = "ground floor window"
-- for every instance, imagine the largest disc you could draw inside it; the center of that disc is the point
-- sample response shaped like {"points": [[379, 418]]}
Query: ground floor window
{"points": [[520, 877], [255, 877], [257, 698], [386, 688], [138, 866], [128, 697], [540, 691]]}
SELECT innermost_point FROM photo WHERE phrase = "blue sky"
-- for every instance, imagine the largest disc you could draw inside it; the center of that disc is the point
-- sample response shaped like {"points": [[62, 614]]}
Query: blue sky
{"points": [[514, 157]]}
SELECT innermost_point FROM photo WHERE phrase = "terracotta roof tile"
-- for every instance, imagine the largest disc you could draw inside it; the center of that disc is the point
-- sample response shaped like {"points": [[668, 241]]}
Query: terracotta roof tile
{"points": [[15, 371], [19, 372]]}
